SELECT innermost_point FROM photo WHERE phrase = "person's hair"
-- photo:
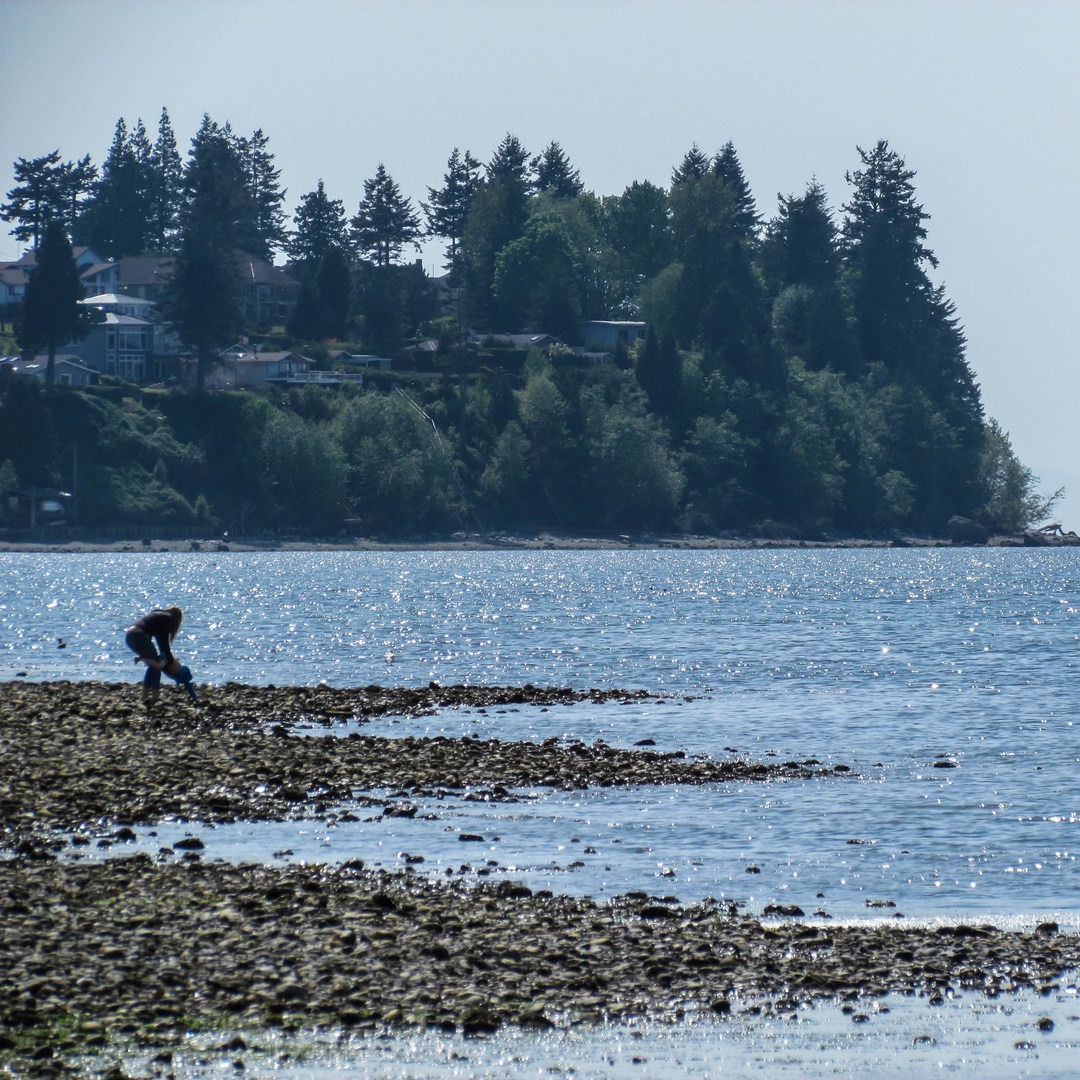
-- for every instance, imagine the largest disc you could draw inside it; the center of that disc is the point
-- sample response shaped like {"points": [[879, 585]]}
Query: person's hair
{"points": [[177, 617]]}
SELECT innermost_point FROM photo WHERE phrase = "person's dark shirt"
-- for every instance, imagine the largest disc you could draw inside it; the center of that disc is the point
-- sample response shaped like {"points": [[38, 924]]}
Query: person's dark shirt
{"points": [[159, 625]]}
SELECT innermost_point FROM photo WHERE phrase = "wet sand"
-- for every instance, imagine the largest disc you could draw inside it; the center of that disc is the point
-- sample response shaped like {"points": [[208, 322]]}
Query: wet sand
{"points": [[97, 955]]}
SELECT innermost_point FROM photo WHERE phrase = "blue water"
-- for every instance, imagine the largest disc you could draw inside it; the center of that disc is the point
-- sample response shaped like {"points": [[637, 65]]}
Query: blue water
{"points": [[891, 661], [887, 660]]}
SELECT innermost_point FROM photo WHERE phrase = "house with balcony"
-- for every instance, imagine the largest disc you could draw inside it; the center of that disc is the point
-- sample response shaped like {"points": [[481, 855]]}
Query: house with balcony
{"points": [[122, 343], [245, 367]]}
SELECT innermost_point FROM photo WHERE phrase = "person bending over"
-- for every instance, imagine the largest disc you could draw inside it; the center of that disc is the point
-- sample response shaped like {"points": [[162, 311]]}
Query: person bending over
{"points": [[150, 638]]}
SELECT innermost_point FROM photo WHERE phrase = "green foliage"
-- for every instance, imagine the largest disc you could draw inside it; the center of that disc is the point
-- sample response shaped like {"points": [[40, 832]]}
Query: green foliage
{"points": [[51, 313], [804, 370], [320, 226], [46, 189], [553, 173], [447, 208], [401, 472], [119, 215], [1010, 489], [386, 221], [633, 480], [305, 472], [9, 481], [535, 284]]}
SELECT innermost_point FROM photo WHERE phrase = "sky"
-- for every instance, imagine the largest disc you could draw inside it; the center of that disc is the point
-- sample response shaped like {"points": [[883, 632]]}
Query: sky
{"points": [[978, 96]]}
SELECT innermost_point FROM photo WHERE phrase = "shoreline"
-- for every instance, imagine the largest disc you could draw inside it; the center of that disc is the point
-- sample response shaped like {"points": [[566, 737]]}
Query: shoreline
{"points": [[546, 540]]}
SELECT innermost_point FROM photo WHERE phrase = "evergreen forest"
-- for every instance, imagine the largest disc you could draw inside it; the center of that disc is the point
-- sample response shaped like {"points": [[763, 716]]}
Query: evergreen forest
{"points": [[801, 374]]}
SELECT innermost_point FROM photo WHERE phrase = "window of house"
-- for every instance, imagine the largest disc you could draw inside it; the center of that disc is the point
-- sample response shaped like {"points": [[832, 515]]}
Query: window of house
{"points": [[132, 339], [132, 367]]}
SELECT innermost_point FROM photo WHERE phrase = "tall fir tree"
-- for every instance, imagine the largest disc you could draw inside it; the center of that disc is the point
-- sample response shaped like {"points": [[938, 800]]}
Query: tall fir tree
{"points": [[267, 196], [694, 165], [726, 166], [385, 222], [800, 244], [905, 324], [510, 161], [320, 225], [46, 189], [117, 218], [217, 197], [885, 257], [166, 191], [553, 173], [51, 314], [206, 301], [799, 260], [447, 208]]}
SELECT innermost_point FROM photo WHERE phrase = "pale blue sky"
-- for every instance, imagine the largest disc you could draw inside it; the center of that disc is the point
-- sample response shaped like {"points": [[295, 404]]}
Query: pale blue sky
{"points": [[979, 97]]}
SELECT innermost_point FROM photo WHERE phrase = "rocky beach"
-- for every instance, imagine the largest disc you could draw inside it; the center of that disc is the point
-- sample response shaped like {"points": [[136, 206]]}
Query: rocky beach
{"points": [[117, 958]]}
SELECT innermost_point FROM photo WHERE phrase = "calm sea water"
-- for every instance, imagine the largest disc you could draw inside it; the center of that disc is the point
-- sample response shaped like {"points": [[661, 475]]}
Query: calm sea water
{"points": [[895, 662]]}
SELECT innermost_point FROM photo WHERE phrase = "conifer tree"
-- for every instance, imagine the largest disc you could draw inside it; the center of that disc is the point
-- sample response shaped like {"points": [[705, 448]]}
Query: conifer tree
{"points": [[726, 166], [800, 245], [205, 295], [447, 208], [904, 323], [51, 313], [800, 261], [168, 173], [217, 197], [386, 222], [267, 196], [509, 162], [885, 257], [320, 225], [553, 173], [116, 220], [46, 189], [693, 166]]}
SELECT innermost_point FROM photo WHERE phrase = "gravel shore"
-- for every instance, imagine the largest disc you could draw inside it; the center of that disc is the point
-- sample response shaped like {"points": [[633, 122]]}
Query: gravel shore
{"points": [[136, 951]]}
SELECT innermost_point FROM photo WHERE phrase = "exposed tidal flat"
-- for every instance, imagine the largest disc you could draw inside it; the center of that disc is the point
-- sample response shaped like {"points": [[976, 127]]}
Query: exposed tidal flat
{"points": [[122, 959], [466, 778]]}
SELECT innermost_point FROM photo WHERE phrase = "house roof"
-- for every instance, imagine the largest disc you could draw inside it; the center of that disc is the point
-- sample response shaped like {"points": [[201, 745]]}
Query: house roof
{"points": [[262, 272], [40, 363], [117, 298], [518, 341], [143, 270], [112, 319], [265, 357], [13, 274], [85, 257]]}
